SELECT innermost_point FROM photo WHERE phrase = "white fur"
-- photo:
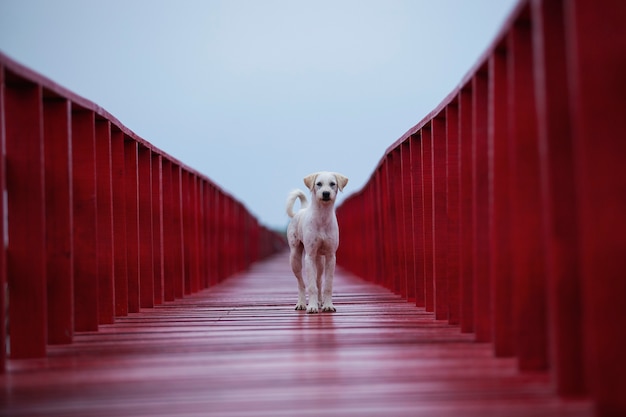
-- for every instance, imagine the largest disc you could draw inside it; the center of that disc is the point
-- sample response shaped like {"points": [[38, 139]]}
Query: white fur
{"points": [[313, 234]]}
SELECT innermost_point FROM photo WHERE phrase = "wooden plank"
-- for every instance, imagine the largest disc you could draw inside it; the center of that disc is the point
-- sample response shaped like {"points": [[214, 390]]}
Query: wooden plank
{"points": [[427, 207], [131, 186], [418, 216], [146, 260], [239, 349]]}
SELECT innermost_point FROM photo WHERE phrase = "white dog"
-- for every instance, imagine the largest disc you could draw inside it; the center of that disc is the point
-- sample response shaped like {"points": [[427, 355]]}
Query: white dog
{"points": [[314, 233]]}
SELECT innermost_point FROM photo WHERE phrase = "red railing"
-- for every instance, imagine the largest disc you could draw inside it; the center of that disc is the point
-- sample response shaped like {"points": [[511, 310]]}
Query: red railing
{"points": [[503, 210], [98, 223]]}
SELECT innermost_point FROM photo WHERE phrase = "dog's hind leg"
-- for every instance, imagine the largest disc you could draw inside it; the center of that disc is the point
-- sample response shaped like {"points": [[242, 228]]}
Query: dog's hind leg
{"points": [[296, 267], [329, 272]]}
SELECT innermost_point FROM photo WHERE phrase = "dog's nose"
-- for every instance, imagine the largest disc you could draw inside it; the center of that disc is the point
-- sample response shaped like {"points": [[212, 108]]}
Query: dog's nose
{"points": [[326, 195]]}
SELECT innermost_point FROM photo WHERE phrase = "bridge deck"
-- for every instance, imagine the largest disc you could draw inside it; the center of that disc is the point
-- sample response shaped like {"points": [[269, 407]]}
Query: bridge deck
{"points": [[240, 349]]}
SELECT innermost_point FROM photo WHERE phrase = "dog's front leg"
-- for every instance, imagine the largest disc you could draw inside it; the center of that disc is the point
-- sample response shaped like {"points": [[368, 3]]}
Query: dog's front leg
{"points": [[329, 272], [311, 283]]}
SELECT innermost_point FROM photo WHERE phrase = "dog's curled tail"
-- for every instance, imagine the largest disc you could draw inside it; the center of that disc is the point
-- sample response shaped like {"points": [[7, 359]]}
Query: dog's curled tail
{"points": [[293, 196]]}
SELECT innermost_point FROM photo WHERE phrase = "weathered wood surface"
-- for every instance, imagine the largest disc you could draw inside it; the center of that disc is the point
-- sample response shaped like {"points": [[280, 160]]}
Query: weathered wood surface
{"points": [[240, 349]]}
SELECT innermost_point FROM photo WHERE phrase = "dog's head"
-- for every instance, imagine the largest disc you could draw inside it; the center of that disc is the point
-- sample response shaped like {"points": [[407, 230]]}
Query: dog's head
{"points": [[324, 185]]}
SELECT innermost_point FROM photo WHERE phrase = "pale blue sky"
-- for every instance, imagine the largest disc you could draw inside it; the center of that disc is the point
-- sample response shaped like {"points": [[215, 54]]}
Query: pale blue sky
{"points": [[258, 94]]}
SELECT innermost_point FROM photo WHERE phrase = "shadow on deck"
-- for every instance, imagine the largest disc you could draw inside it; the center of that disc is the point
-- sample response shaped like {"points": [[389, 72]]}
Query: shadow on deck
{"points": [[239, 348]]}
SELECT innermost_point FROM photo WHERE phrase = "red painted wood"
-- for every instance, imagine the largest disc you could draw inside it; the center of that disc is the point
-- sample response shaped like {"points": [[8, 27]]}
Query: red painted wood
{"points": [[145, 225], [26, 250], [176, 232], [440, 219], [395, 223], [170, 270], [157, 228], [559, 193], [418, 216], [85, 214], [500, 210], [240, 349], [59, 224], [131, 187], [528, 250], [453, 214], [595, 51], [104, 216], [3, 202], [466, 207], [118, 181], [427, 204], [480, 189], [408, 241]]}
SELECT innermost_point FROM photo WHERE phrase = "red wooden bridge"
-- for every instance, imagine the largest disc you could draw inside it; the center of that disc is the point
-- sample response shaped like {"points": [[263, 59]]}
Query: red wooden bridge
{"points": [[483, 267]]}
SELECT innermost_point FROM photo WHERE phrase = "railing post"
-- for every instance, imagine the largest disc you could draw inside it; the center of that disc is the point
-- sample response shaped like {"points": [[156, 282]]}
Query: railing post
{"points": [[559, 194], [452, 186], [26, 249], [466, 207], [85, 226], [481, 179], [500, 210], [146, 259], [440, 218], [596, 39], [408, 227], [118, 181], [3, 202], [132, 223], [418, 218], [157, 227], [104, 216], [529, 282], [427, 207], [59, 241]]}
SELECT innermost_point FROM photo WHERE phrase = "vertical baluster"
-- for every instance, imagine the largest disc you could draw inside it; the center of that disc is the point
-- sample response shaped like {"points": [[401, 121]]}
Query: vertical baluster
{"points": [[440, 218], [418, 215], [59, 225], [118, 181], [500, 217], [596, 40], [452, 201], [529, 282], [466, 225], [3, 231], [157, 227], [26, 250], [104, 216], [427, 200], [146, 260], [408, 241], [481, 177], [85, 215], [132, 223]]}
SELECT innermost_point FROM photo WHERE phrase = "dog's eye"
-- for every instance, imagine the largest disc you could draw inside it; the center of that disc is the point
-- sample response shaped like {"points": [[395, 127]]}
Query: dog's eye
{"points": [[319, 184], [332, 184]]}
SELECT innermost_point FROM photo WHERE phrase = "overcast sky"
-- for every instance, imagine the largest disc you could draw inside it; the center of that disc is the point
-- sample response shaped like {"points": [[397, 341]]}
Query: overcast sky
{"points": [[257, 94]]}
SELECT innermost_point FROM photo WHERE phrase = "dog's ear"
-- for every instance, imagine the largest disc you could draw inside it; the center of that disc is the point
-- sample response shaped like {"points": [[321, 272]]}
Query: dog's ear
{"points": [[341, 181], [309, 181]]}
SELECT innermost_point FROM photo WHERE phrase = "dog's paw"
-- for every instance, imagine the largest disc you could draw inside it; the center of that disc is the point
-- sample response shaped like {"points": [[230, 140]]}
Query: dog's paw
{"points": [[300, 306], [312, 309], [329, 308]]}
